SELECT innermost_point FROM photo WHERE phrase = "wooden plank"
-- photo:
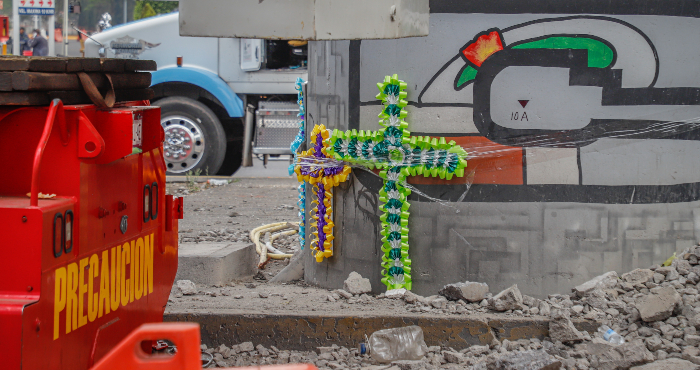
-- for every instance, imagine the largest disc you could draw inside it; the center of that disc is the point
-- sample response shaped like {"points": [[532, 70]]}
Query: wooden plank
{"points": [[36, 64], [24, 98], [5, 81], [124, 81], [51, 64], [140, 65], [112, 65], [79, 97], [38, 81], [47, 64], [33, 81], [16, 98], [83, 65], [14, 63]]}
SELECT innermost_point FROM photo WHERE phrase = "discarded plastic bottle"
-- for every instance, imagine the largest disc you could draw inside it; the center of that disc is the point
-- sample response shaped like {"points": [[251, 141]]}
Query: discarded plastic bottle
{"points": [[396, 344], [610, 335]]}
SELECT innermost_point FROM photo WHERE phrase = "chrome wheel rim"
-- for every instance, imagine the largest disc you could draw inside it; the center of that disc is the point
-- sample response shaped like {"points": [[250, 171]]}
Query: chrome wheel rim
{"points": [[184, 143]]}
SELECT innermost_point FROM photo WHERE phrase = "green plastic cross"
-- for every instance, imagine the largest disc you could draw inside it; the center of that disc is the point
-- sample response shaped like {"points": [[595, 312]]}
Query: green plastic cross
{"points": [[399, 155]]}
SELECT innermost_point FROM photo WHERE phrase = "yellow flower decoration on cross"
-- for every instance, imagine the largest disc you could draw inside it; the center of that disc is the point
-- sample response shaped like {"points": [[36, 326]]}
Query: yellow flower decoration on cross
{"points": [[317, 167]]}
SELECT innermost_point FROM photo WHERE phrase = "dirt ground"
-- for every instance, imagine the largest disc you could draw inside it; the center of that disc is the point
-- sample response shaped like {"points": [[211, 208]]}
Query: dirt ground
{"points": [[229, 212]]}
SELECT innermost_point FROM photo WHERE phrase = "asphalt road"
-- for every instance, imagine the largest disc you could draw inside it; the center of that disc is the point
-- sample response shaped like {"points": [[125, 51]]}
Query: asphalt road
{"points": [[275, 168]]}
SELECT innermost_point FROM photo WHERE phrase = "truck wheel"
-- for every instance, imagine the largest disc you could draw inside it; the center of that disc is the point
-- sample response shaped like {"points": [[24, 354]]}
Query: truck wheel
{"points": [[194, 138]]}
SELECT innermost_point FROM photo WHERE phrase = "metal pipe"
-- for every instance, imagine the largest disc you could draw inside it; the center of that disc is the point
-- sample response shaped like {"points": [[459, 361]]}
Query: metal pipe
{"points": [[55, 113], [86, 35], [248, 136]]}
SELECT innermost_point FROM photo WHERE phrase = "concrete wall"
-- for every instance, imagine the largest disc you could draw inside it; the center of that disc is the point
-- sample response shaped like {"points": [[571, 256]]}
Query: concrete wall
{"points": [[601, 175]]}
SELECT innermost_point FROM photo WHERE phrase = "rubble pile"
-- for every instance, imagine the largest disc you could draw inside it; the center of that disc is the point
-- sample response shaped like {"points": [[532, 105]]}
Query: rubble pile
{"points": [[655, 310], [524, 354], [336, 357]]}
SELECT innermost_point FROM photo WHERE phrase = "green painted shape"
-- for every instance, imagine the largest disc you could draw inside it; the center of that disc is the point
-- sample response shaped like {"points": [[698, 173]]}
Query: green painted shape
{"points": [[599, 54], [468, 74]]}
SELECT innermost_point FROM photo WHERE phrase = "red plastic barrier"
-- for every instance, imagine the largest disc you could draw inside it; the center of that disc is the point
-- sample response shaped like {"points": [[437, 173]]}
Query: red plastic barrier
{"points": [[128, 354]]}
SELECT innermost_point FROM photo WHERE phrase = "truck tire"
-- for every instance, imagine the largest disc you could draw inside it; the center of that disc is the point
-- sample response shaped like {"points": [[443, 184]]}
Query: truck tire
{"points": [[194, 137], [234, 147]]}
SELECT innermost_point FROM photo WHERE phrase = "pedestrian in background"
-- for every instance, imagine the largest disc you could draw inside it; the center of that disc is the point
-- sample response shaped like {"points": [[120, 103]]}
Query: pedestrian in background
{"points": [[23, 41], [40, 47]]}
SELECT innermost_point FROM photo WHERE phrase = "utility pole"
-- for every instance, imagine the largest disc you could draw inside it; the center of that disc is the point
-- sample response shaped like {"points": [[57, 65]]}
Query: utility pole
{"points": [[52, 35], [124, 11], [15, 28], [65, 28]]}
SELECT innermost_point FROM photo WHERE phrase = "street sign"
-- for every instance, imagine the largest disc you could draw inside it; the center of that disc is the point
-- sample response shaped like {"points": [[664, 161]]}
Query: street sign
{"points": [[37, 7]]}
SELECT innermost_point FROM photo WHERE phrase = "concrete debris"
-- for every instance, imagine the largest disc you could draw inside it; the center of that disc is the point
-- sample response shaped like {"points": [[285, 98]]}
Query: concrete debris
{"points": [[692, 340], [668, 364], [187, 287], [453, 357], [530, 301], [691, 354], [409, 365], [669, 272], [468, 291], [527, 360], [293, 271], [683, 266], [395, 293], [638, 276], [437, 301], [605, 281], [509, 299], [659, 304], [218, 182], [623, 356], [518, 355], [561, 328], [412, 298], [356, 284], [343, 293]]}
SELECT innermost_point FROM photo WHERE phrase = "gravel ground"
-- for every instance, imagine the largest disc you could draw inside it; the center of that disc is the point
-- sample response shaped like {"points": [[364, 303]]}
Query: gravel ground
{"points": [[229, 212]]}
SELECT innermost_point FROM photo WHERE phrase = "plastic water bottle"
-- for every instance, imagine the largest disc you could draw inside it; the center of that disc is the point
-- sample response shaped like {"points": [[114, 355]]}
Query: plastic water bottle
{"points": [[610, 335], [396, 344]]}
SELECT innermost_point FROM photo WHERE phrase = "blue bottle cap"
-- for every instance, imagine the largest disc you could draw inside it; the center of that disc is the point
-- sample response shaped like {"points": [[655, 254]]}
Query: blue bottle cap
{"points": [[363, 348]]}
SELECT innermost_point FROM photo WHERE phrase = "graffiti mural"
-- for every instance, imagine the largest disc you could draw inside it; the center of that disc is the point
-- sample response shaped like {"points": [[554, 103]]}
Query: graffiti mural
{"points": [[582, 132]]}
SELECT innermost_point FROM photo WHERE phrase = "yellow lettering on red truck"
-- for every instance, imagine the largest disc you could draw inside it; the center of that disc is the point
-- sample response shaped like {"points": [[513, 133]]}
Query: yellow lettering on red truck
{"points": [[118, 284]]}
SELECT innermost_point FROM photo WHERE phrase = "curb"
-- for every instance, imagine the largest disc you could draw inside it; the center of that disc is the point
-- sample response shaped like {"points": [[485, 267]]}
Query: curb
{"points": [[307, 332]]}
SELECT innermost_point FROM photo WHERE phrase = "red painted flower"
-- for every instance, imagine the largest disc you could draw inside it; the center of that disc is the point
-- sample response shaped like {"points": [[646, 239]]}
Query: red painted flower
{"points": [[483, 47]]}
